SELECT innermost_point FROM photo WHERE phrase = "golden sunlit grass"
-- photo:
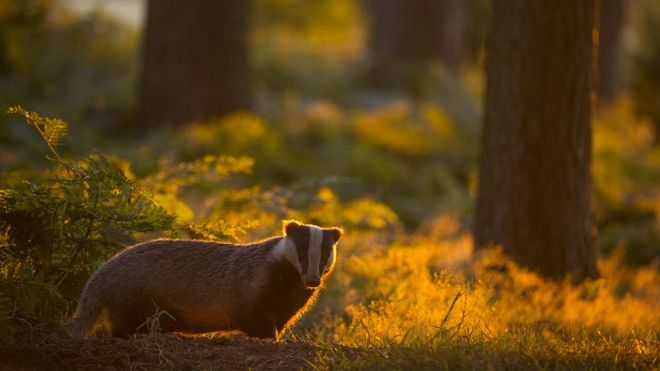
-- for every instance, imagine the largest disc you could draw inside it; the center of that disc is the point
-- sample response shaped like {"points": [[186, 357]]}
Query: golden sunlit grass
{"points": [[420, 301]]}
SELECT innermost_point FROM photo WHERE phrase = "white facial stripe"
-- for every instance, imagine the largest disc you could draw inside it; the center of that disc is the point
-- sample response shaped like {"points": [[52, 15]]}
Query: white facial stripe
{"points": [[286, 249], [314, 252], [331, 259]]}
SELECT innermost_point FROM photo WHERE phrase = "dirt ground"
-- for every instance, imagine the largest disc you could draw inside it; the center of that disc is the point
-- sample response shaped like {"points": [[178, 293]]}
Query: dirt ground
{"points": [[40, 349]]}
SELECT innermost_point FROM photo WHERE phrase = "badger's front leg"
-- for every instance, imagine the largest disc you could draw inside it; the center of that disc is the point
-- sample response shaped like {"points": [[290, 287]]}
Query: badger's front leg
{"points": [[264, 328]]}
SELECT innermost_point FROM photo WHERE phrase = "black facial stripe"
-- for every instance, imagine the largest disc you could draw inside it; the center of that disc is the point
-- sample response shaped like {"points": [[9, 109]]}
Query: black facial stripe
{"points": [[301, 241], [326, 249]]}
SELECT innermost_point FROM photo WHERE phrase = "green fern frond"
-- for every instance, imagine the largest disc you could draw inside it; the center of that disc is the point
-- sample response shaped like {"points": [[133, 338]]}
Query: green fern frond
{"points": [[54, 130], [51, 130]]}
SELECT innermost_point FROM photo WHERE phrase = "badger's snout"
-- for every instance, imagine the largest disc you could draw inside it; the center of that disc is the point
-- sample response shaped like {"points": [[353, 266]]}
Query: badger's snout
{"points": [[313, 281]]}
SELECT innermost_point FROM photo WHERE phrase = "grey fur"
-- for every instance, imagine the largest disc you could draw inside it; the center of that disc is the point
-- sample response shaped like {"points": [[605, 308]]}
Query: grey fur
{"points": [[205, 286]]}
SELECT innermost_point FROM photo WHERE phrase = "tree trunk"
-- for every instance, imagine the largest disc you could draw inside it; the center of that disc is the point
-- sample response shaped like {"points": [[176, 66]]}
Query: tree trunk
{"points": [[403, 30], [195, 64], [534, 191], [610, 50]]}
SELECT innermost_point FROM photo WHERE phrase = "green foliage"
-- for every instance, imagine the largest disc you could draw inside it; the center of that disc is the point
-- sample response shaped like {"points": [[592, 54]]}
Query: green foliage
{"points": [[325, 34], [337, 14], [219, 230], [18, 18], [325, 208], [626, 179], [58, 227], [86, 64], [51, 130]]}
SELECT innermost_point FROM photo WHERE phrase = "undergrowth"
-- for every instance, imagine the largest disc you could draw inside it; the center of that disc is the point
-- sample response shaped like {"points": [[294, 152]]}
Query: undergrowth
{"points": [[425, 302], [59, 224]]}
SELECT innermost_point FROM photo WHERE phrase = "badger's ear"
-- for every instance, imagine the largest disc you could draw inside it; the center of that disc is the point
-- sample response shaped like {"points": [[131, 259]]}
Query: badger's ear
{"points": [[290, 227], [336, 233]]}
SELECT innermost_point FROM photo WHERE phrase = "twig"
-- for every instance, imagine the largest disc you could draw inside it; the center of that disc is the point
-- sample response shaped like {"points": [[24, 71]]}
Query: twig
{"points": [[451, 308]]}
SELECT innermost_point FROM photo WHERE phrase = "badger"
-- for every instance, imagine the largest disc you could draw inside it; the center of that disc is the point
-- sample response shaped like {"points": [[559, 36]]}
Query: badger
{"points": [[260, 288]]}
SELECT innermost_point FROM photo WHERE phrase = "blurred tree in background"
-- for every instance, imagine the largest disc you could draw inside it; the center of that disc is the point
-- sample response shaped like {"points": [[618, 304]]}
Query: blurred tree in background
{"points": [[17, 19], [645, 79], [418, 30], [534, 185], [195, 61], [610, 80], [408, 40]]}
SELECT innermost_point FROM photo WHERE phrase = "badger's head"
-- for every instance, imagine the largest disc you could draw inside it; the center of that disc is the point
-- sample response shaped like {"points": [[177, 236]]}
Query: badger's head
{"points": [[310, 249]]}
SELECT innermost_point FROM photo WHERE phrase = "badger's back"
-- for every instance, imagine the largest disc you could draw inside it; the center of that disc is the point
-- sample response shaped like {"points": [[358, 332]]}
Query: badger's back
{"points": [[177, 267]]}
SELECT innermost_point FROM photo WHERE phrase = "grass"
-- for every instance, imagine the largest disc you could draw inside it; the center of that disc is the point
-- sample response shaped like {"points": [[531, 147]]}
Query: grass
{"points": [[423, 304], [531, 350]]}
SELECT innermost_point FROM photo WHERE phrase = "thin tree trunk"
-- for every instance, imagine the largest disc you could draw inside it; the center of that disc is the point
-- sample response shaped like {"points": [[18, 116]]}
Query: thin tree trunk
{"points": [[414, 30], [534, 191], [610, 50], [195, 64]]}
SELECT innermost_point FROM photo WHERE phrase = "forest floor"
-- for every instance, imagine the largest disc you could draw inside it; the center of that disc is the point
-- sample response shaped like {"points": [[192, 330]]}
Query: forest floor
{"points": [[37, 348]]}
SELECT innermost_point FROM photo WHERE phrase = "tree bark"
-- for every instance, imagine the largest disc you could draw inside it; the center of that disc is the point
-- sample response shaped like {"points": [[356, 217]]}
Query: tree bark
{"points": [[195, 62], [610, 50], [534, 191], [403, 30]]}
